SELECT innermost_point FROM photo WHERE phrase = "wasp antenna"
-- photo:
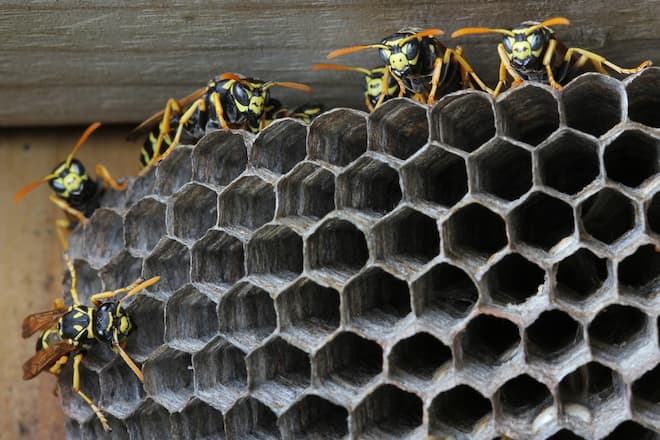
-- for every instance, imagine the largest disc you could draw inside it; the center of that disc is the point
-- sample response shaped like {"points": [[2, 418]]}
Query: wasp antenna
{"points": [[547, 23], [347, 50], [424, 33], [233, 76], [289, 85], [480, 30], [330, 66], [19, 195], [88, 131]]}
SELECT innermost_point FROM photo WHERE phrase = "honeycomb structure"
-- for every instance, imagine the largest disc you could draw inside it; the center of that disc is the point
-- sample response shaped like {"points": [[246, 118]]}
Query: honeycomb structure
{"points": [[478, 268]]}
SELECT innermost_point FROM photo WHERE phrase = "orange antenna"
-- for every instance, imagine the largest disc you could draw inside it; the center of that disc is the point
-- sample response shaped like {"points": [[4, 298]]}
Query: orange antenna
{"points": [[233, 76], [330, 66], [424, 33], [554, 21], [19, 195], [481, 30], [289, 85], [347, 50]]}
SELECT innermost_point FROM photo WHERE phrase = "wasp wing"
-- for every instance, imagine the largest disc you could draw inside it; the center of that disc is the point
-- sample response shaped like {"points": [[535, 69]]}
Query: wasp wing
{"points": [[41, 321], [45, 358]]}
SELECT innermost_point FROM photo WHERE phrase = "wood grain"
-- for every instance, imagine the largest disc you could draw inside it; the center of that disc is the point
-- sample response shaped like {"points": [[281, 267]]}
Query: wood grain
{"points": [[31, 262], [70, 62]]}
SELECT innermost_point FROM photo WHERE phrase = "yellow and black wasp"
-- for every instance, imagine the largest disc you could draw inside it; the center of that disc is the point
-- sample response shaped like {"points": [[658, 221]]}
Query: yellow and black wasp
{"points": [[274, 109], [227, 101], [421, 64], [377, 84], [71, 331], [75, 192], [531, 51]]}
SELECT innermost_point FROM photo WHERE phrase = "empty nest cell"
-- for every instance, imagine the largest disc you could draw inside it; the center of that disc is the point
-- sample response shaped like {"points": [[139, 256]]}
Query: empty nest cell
{"points": [[399, 128], [639, 273], [489, 342], [646, 393], [168, 378], [552, 336], [465, 122], [148, 317], [502, 158], [251, 419], [120, 272], [219, 158], [280, 146], [190, 319], [307, 191], [421, 357], [591, 385], [370, 185], [569, 162], [314, 417], [170, 260], [174, 171], [523, 398], [529, 113], [104, 236], [388, 412], [632, 157], [617, 331], [513, 280], [458, 413], [194, 211], [121, 390], [149, 421], [198, 421], [580, 276], [653, 213], [73, 405], [474, 233], [338, 137], [593, 104], [217, 259], [542, 221], [630, 430], [88, 282], [145, 225], [247, 315], [275, 251], [607, 215], [435, 176], [246, 203], [644, 98]]}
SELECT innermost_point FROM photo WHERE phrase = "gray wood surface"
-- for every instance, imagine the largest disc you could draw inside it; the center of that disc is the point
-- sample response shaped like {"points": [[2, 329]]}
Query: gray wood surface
{"points": [[71, 62]]}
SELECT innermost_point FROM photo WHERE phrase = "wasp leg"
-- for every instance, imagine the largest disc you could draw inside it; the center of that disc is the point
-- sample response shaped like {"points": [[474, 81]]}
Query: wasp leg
{"points": [[383, 91], [74, 291], [198, 104], [598, 61], [104, 174], [215, 99], [98, 297], [402, 86], [547, 60], [435, 78], [64, 206], [62, 229], [465, 76], [505, 67], [118, 348], [76, 387], [466, 69], [171, 106]]}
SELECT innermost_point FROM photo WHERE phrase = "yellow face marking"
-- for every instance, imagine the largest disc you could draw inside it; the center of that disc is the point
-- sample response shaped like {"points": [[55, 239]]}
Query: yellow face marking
{"points": [[124, 325], [256, 105]]}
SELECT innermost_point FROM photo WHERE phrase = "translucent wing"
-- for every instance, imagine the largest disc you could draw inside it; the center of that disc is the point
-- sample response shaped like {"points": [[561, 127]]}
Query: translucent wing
{"points": [[45, 358], [41, 321]]}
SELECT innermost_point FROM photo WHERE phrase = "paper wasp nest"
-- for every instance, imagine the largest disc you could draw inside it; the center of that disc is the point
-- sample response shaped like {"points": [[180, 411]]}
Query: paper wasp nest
{"points": [[477, 268]]}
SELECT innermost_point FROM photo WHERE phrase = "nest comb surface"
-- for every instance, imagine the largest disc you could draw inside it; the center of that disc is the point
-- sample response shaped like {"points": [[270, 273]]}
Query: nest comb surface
{"points": [[476, 268]]}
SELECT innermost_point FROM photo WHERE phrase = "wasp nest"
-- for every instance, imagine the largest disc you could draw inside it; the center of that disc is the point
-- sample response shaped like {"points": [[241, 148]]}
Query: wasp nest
{"points": [[482, 267]]}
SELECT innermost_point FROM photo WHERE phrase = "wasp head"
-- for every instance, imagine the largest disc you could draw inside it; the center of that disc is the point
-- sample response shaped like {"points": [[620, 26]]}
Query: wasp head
{"points": [[69, 179], [111, 323], [526, 44], [400, 52]]}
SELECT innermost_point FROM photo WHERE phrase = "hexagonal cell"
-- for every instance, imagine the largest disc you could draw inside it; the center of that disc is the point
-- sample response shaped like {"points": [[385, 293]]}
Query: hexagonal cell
{"points": [[247, 315], [198, 421], [148, 317], [646, 393], [513, 280], [170, 260], [94, 430], [250, 419], [314, 418], [444, 295], [399, 127], [407, 237], [553, 336], [337, 248], [104, 236], [174, 171], [632, 157], [639, 273], [220, 373], [88, 282], [73, 405], [375, 302], [308, 191], [569, 162], [145, 225], [217, 260], [247, 203], [121, 390], [194, 211], [529, 113], [465, 122], [141, 187], [644, 98], [523, 398], [150, 421], [618, 330], [347, 363], [653, 213], [120, 272], [580, 276], [190, 320], [489, 342], [593, 104], [276, 252], [607, 215], [280, 146], [308, 312], [278, 372], [369, 185], [542, 221], [502, 158], [474, 232], [420, 357], [168, 378], [629, 430], [219, 158], [436, 176], [388, 412], [338, 136], [460, 412]]}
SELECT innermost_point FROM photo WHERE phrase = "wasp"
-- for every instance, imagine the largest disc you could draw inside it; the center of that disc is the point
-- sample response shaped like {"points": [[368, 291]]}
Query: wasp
{"points": [[421, 64], [274, 109], [227, 101], [531, 51], [75, 192], [71, 331]]}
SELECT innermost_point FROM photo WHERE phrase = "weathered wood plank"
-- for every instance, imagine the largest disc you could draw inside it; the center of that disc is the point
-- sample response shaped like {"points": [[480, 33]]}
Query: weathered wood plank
{"points": [[71, 61]]}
